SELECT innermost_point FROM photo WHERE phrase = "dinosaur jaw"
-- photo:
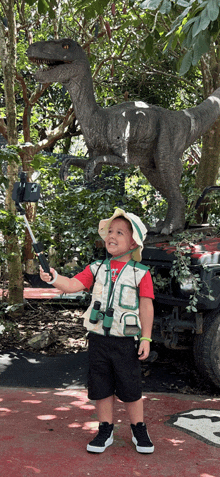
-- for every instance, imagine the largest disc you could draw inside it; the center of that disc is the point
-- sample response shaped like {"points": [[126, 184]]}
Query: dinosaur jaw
{"points": [[48, 63], [50, 70]]}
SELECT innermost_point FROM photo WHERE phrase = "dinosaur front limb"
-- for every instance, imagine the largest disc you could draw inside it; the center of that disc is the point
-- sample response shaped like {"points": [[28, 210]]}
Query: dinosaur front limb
{"points": [[94, 166], [71, 161], [91, 167]]}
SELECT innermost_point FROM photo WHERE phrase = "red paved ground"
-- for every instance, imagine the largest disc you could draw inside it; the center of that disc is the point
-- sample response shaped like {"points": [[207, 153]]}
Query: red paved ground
{"points": [[45, 432]]}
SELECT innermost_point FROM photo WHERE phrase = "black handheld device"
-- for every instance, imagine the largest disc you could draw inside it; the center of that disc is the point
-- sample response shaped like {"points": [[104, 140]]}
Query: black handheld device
{"points": [[25, 191]]}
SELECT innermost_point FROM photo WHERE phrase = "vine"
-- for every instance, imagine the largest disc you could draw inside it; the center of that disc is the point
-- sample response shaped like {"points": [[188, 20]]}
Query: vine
{"points": [[182, 268]]}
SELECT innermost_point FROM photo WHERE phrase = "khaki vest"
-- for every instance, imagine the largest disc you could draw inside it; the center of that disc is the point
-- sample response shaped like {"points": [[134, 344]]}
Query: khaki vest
{"points": [[123, 298]]}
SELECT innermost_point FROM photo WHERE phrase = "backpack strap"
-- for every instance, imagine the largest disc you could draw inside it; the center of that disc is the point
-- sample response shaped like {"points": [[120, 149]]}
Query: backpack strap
{"points": [[135, 280], [96, 273]]}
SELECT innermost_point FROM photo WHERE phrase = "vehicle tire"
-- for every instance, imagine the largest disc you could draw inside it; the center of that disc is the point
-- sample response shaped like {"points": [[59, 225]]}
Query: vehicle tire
{"points": [[206, 348]]}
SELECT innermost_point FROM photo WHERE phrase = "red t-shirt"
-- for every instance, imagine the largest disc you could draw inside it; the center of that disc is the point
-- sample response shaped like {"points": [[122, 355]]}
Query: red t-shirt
{"points": [[145, 287]]}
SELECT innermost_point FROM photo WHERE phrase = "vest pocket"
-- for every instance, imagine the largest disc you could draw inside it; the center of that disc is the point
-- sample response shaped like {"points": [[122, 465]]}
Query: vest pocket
{"points": [[128, 297], [130, 324]]}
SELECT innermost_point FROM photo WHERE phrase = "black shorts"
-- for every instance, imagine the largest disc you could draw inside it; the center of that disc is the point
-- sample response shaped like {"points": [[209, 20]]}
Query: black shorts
{"points": [[114, 368]]}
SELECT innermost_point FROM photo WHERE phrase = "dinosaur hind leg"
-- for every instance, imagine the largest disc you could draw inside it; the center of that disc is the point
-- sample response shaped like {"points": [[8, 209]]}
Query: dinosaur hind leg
{"points": [[175, 218], [167, 183]]}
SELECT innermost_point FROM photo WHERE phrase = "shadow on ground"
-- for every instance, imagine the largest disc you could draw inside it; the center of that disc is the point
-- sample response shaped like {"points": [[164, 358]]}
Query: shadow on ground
{"points": [[169, 372], [26, 369]]}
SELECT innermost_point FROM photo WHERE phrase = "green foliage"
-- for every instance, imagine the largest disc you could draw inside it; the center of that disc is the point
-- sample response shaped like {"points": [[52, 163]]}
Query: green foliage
{"points": [[44, 6], [194, 25], [120, 40], [7, 222], [69, 212], [181, 267], [214, 215], [3, 256], [8, 155]]}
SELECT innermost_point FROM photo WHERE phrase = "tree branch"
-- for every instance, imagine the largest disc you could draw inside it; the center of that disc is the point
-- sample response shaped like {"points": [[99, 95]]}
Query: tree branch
{"points": [[28, 104], [24, 87], [105, 60], [57, 133], [38, 93]]}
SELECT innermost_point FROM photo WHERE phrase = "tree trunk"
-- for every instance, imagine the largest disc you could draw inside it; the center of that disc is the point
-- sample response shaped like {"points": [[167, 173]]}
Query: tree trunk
{"points": [[15, 278], [209, 164], [8, 57], [206, 175]]}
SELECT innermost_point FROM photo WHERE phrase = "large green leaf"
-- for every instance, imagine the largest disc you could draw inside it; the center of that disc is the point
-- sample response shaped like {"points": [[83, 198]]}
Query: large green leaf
{"points": [[187, 42], [150, 4], [204, 20], [183, 3], [200, 47], [165, 7], [186, 63], [213, 10], [196, 27], [43, 6], [201, 23]]}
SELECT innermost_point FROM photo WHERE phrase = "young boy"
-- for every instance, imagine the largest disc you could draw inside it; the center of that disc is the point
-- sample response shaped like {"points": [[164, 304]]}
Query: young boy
{"points": [[120, 311]]}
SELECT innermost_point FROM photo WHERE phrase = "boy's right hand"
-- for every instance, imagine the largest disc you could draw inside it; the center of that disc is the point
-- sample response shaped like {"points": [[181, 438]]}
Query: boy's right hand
{"points": [[46, 277]]}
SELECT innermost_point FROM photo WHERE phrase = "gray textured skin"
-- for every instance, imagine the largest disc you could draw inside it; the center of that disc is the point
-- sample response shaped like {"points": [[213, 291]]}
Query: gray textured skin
{"points": [[138, 133]]}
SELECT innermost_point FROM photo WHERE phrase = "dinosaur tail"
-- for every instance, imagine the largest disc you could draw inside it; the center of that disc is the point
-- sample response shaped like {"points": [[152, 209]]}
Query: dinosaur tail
{"points": [[204, 115]]}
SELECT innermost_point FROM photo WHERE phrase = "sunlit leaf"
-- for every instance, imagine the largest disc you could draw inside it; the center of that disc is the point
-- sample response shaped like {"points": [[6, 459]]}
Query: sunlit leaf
{"points": [[179, 20]]}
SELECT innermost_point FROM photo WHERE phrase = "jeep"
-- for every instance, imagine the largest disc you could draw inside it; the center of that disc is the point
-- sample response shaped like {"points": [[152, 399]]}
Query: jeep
{"points": [[178, 324]]}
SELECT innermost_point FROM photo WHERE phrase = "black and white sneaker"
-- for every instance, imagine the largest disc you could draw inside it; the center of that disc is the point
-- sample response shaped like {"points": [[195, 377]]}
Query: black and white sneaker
{"points": [[103, 439], [141, 439]]}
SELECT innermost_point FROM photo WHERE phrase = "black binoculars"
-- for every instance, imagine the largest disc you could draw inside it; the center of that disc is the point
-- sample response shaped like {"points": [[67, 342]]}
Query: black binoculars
{"points": [[97, 315]]}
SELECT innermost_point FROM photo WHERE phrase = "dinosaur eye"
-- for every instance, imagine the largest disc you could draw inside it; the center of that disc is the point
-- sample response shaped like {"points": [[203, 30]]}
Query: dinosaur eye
{"points": [[66, 47]]}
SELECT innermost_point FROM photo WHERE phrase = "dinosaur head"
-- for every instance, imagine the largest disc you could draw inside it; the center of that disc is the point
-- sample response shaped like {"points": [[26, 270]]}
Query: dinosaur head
{"points": [[57, 55]]}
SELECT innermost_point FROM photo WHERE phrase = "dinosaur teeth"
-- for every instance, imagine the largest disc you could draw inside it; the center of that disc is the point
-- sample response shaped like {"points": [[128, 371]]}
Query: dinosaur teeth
{"points": [[50, 63], [41, 61], [36, 60]]}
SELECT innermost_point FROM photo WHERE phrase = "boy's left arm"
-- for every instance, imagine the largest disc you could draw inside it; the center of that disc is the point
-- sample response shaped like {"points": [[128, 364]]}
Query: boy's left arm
{"points": [[146, 314]]}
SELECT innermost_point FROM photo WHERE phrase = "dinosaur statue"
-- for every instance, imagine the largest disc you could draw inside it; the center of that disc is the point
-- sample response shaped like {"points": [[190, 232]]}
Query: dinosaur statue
{"points": [[138, 133]]}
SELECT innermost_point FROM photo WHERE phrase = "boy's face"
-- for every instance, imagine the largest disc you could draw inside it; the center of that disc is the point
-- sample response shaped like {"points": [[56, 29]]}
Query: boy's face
{"points": [[119, 239]]}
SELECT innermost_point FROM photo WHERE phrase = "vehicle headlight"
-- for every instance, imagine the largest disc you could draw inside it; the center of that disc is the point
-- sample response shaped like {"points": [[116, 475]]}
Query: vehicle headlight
{"points": [[187, 286]]}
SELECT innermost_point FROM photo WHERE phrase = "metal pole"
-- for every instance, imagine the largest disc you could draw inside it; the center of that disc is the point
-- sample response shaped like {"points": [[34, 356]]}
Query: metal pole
{"points": [[29, 229]]}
